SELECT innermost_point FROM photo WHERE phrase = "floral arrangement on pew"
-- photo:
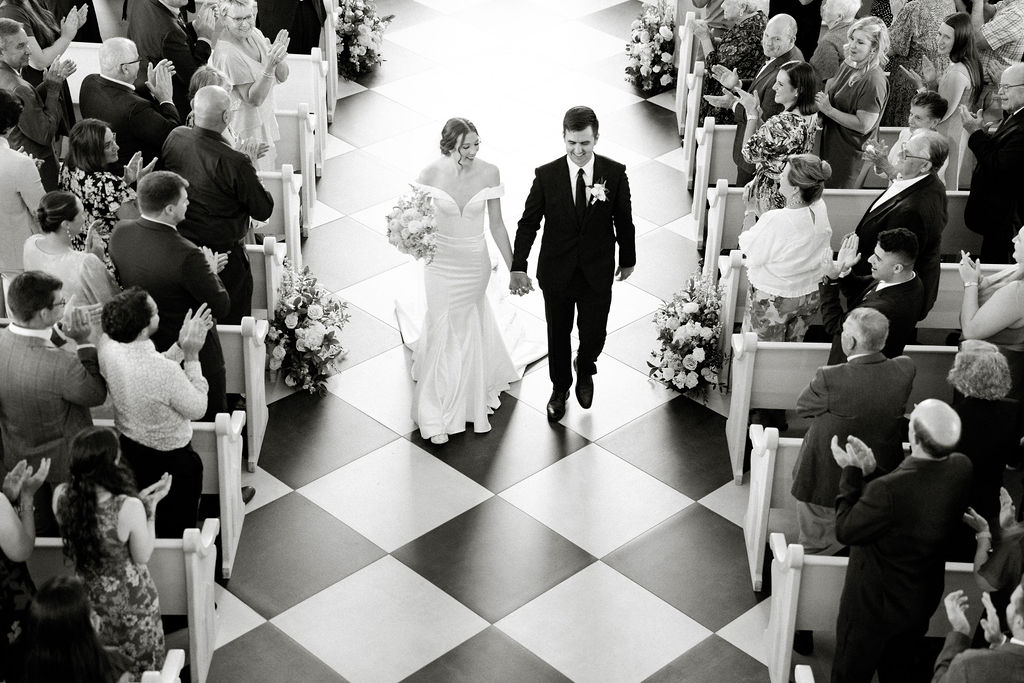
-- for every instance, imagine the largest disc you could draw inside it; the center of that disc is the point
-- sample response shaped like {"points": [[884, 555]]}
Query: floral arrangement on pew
{"points": [[304, 338], [651, 47], [412, 225], [360, 37], [688, 357]]}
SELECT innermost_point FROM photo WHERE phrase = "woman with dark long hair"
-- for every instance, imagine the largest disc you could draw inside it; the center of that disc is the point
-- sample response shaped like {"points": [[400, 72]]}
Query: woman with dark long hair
{"points": [[108, 531], [60, 641]]}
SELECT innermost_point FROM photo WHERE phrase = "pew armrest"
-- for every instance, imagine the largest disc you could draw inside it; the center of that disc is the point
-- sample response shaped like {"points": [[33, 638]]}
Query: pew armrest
{"points": [[171, 670]]}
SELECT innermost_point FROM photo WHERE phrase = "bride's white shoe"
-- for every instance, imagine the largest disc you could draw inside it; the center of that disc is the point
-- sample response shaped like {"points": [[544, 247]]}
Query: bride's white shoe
{"points": [[439, 439]]}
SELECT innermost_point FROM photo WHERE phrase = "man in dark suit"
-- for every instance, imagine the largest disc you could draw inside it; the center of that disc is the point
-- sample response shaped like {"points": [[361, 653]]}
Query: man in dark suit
{"points": [[892, 288], [149, 252], [224, 192], [897, 527], [777, 41], [1003, 662], [995, 207], [158, 30], [45, 392], [916, 200], [584, 202], [301, 18], [141, 118], [867, 397]]}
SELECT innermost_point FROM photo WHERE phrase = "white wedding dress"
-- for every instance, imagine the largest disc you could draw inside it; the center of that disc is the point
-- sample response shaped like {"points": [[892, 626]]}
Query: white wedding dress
{"points": [[460, 361]]}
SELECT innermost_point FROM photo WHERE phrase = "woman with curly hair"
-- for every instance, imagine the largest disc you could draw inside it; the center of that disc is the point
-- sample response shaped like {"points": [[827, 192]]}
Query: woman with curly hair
{"points": [[108, 531]]}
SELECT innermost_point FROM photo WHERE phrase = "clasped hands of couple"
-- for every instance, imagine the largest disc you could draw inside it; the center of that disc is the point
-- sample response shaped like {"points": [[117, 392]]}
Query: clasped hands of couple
{"points": [[521, 284]]}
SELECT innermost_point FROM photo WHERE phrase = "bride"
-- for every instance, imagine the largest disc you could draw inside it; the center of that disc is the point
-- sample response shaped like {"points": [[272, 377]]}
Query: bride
{"points": [[460, 362]]}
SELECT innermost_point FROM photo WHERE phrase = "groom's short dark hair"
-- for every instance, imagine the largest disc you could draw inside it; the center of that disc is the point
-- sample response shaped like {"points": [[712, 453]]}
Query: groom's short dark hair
{"points": [[578, 118]]}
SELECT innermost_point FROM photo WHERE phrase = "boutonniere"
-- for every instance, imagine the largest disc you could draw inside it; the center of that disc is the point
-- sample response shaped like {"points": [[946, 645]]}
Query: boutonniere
{"points": [[598, 192]]}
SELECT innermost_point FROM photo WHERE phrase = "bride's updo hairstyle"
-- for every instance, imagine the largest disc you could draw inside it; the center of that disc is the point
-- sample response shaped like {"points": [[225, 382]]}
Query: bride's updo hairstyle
{"points": [[809, 173], [453, 133]]}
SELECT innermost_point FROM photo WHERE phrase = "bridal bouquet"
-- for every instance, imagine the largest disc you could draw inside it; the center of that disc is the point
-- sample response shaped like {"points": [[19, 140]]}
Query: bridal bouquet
{"points": [[651, 46], [412, 226], [304, 337], [360, 36], [689, 326]]}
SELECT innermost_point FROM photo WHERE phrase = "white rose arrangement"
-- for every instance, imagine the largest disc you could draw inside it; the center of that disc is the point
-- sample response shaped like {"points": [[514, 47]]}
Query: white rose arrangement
{"points": [[650, 50], [412, 225], [688, 357], [360, 37]]}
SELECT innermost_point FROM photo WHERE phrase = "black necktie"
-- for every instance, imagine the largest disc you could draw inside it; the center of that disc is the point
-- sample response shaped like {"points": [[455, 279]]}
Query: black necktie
{"points": [[581, 195]]}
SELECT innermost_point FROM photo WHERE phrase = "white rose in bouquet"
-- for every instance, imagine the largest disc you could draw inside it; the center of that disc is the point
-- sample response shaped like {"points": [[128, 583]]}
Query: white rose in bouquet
{"points": [[691, 380], [709, 375], [645, 37], [698, 354], [666, 79], [415, 226], [680, 335], [291, 320], [691, 307], [666, 32], [315, 311], [706, 333], [689, 362], [275, 364], [278, 353], [672, 323], [667, 374], [314, 336]]}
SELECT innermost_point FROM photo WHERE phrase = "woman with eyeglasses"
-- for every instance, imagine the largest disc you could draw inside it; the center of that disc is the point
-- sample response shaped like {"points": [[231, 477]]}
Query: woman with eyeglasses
{"points": [[253, 66], [106, 196]]}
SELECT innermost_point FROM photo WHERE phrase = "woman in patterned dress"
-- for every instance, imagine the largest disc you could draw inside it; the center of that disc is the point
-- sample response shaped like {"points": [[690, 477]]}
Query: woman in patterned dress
{"points": [[739, 50], [781, 136], [914, 34], [108, 531]]}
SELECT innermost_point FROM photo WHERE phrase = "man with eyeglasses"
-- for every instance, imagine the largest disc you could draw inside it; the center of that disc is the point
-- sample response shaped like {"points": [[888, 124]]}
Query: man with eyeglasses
{"points": [[995, 207], [141, 118], [157, 28]]}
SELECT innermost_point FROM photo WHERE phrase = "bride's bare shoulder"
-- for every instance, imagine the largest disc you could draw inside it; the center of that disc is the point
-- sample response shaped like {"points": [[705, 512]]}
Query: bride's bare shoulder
{"points": [[431, 172], [489, 172]]}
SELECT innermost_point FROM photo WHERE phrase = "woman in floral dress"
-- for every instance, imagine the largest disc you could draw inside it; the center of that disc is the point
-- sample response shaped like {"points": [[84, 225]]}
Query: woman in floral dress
{"points": [[914, 34], [740, 50], [783, 135], [108, 531]]}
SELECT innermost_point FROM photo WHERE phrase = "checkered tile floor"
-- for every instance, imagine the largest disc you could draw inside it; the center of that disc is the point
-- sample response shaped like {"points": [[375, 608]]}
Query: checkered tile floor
{"points": [[603, 548]]}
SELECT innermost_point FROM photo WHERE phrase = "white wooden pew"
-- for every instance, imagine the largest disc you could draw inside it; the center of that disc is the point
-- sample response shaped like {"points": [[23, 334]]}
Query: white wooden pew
{"points": [[772, 375], [802, 674], [684, 59], [805, 596], [725, 208], [183, 572], [245, 357], [219, 446], [86, 57], [297, 148], [285, 187], [307, 82], [694, 84], [329, 46], [267, 267], [702, 171], [174, 662], [770, 507]]}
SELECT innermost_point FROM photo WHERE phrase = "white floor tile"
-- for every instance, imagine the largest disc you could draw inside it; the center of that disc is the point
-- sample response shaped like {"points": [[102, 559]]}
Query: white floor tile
{"points": [[375, 217], [666, 99], [596, 500], [268, 487], [376, 295], [380, 624], [729, 501], [381, 387], [600, 626], [335, 147], [346, 88], [685, 226], [395, 494], [747, 631], [234, 617], [323, 214], [675, 158]]}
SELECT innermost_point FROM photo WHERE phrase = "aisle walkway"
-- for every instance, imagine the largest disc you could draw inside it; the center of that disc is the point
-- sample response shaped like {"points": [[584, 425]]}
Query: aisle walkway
{"points": [[605, 548]]}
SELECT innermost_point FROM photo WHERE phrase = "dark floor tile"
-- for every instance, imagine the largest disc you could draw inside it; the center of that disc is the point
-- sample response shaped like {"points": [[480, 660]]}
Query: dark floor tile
{"points": [[345, 252], [365, 337], [681, 443], [407, 13], [267, 655], [309, 436], [494, 558], [366, 117], [521, 442], [488, 657], [713, 659], [657, 192], [633, 343], [666, 260], [291, 549], [358, 180], [645, 127], [694, 561], [399, 62], [615, 19]]}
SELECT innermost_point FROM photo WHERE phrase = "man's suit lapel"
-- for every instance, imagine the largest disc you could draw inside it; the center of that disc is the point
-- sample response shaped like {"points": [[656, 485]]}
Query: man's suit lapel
{"points": [[599, 177], [898, 197], [1010, 126]]}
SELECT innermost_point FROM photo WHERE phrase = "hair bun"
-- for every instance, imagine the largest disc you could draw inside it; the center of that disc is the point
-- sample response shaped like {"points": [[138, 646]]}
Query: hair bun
{"points": [[826, 170], [41, 215]]}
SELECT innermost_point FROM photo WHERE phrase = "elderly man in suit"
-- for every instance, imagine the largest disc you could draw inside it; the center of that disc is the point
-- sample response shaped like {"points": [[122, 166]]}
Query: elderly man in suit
{"points": [[995, 207], [916, 200], [142, 117], [777, 41], [892, 288], [45, 391], [1003, 662], [897, 527], [867, 397]]}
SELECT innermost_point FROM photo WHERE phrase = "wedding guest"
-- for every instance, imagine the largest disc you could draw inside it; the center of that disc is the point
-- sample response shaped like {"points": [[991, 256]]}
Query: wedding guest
{"points": [[106, 196], [837, 16], [61, 641], [41, 114], [999, 553], [853, 100], [141, 118], [1001, 661], [303, 20], [739, 49], [786, 253], [253, 67], [767, 146], [1000, 43], [108, 530], [20, 192], [927, 109], [914, 33]]}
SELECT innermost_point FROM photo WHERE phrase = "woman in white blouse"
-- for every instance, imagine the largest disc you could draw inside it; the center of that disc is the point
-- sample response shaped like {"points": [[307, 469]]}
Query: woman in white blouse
{"points": [[786, 252]]}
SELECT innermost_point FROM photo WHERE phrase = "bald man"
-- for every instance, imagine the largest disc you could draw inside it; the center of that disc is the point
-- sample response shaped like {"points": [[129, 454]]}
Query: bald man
{"points": [[224, 192], [898, 527]]}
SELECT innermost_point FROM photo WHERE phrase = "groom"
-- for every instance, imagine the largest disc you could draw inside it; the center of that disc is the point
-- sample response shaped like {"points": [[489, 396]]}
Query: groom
{"points": [[584, 201]]}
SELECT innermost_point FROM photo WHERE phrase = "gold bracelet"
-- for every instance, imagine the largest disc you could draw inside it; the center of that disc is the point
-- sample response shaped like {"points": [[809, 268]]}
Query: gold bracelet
{"points": [[970, 284]]}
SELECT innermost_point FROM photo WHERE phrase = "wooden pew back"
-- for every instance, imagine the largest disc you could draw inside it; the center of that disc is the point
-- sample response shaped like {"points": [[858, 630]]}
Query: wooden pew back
{"points": [[685, 59], [694, 84], [285, 187], [267, 267], [245, 357], [307, 82], [86, 57], [297, 147]]}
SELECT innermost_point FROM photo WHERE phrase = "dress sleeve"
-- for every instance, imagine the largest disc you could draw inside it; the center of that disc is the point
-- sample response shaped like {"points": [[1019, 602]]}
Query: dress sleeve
{"points": [[97, 283], [493, 192], [112, 192], [757, 243], [871, 95]]}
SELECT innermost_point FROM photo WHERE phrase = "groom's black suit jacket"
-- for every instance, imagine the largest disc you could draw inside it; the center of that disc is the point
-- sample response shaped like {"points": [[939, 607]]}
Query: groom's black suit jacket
{"points": [[568, 244]]}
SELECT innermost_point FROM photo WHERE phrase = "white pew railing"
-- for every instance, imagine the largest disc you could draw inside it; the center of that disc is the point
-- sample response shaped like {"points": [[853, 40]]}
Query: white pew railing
{"points": [[329, 46], [297, 148], [307, 82], [183, 572], [694, 84], [770, 506], [245, 357], [267, 267], [725, 207], [805, 596], [174, 662], [285, 187], [684, 59]]}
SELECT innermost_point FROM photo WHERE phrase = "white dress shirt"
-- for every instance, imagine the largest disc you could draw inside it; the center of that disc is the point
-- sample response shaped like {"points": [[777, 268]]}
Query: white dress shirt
{"points": [[588, 175]]}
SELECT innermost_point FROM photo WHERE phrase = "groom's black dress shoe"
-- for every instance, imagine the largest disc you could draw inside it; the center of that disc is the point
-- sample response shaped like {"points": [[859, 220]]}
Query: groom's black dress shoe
{"points": [[556, 405], [584, 387]]}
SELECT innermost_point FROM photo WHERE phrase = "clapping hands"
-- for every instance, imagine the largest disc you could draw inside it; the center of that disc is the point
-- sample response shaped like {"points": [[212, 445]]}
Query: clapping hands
{"points": [[279, 49], [970, 270], [823, 102], [154, 493], [928, 73], [749, 102], [729, 79], [214, 259], [159, 80], [134, 171], [848, 257], [856, 454], [59, 70], [75, 20], [82, 323], [252, 148], [22, 482], [193, 331], [972, 121]]}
